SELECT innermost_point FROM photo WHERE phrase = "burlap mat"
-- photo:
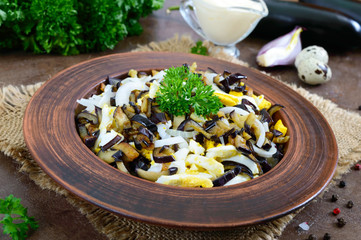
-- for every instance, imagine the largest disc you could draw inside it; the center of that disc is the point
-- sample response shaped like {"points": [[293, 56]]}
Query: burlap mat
{"points": [[13, 100]]}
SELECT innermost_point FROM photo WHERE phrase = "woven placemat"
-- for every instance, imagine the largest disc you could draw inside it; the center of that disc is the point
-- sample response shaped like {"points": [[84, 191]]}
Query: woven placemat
{"points": [[13, 101]]}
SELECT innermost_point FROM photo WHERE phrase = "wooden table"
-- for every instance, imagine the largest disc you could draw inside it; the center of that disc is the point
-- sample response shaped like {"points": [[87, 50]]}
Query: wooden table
{"points": [[59, 220]]}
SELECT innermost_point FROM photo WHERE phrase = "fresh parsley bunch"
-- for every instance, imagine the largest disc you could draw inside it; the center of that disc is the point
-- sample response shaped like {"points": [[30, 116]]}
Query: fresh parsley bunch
{"points": [[182, 92], [16, 221], [70, 27]]}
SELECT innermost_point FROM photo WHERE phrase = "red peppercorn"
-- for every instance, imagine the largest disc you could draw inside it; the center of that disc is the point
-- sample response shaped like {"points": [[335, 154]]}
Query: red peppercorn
{"points": [[357, 166], [336, 211]]}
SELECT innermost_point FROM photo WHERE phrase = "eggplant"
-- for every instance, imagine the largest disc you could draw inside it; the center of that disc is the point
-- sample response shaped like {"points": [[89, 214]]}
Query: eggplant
{"points": [[145, 122], [158, 117], [266, 117], [111, 143], [86, 116], [144, 140], [163, 155], [121, 120], [172, 170], [129, 152], [322, 27], [247, 102], [114, 81], [276, 107], [190, 124], [231, 81], [228, 176], [108, 156], [138, 163], [147, 133], [229, 165], [351, 8], [98, 112], [89, 140]]}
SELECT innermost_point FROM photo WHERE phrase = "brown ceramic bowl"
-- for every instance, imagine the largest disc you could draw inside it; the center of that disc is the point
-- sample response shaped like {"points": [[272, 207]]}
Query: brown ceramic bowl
{"points": [[50, 133]]}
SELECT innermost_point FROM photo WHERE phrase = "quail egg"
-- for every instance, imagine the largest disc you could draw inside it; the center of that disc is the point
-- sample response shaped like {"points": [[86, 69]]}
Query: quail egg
{"points": [[313, 71], [312, 52]]}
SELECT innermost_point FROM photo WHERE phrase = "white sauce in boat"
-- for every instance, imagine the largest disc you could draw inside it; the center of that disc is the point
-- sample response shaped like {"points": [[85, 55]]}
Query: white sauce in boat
{"points": [[226, 21]]}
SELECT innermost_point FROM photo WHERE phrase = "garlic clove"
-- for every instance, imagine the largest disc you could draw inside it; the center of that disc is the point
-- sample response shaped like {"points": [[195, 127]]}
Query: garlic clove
{"points": [[282, 50]]}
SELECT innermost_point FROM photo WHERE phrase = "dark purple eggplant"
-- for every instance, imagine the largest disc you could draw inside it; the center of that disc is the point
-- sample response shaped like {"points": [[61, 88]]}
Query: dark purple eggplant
{"points": [[145, 122], [111, 143], [147, 133], [190, 124], [247, 102], [322, 27], [265, 165], [163, 155], [229, 165], [158, 117], [277, 133], [266, 117], [129, 153], [351, 8], [228, 176], [114, 81], [172, 170], [140, 162], [89, 140], [98, 112], [276, 107], [88, 117], [231, 81], [118, 156]]}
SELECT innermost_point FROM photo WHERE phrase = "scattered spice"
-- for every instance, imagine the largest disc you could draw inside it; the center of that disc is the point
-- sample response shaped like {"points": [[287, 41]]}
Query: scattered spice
{"points": [[349, 204], [341, 222], [334, 197], [357, 166], [311, 237], [336, 211], [327, 236], [342, 184]]}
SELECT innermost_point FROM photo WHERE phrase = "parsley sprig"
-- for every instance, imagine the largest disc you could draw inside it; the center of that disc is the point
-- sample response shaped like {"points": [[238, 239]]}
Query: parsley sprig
{"points": [[16, 221], [182, 92], [199, 49]]}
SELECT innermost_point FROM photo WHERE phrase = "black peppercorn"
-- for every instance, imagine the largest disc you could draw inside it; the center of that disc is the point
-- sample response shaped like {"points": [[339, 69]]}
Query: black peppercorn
{"points": [[342, 184], [173, 170], [359, 107], [311, 237], [327, 236], [341, 222], [349, 204], [334, 197]]}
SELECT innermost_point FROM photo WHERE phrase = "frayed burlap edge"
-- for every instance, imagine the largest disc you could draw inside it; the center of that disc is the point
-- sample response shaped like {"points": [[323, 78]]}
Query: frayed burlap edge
{"points": [[13, 101]]}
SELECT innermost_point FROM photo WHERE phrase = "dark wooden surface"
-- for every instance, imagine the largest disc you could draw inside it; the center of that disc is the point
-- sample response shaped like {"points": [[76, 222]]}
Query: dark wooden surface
{"points": [[59, 220]]}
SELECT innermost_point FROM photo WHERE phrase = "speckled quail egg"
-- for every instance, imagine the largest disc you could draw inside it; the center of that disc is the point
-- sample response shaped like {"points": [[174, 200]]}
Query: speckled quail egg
{"points": [[312, 52], [313, 71]]}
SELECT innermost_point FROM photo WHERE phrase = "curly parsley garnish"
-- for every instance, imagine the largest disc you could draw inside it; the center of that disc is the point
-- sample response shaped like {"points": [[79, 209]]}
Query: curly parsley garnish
{"points": [[16, 221], [183, 92], [199, 49]]}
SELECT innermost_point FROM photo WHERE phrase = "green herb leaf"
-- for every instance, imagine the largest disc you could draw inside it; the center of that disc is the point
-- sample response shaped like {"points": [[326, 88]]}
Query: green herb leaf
{"points": [[70, 27], [199, 49], [183, 92], [16, 221]]}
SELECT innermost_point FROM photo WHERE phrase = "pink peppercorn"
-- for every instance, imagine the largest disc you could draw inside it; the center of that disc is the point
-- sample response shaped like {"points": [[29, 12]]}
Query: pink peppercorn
{"points": [[336, 211], [357, 166]]}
